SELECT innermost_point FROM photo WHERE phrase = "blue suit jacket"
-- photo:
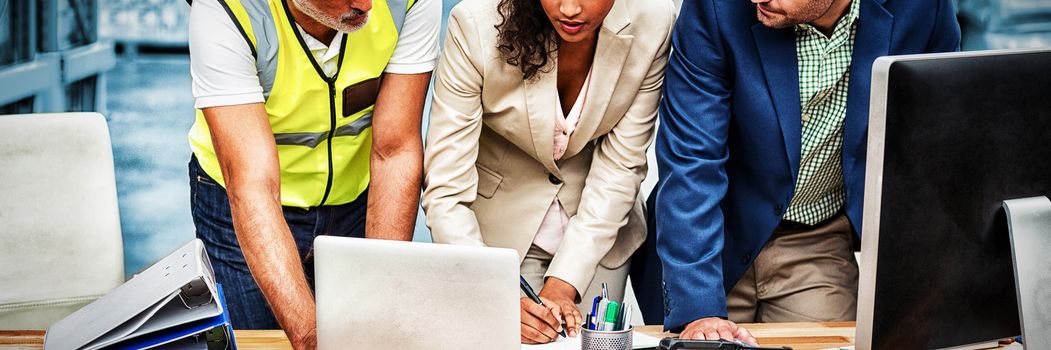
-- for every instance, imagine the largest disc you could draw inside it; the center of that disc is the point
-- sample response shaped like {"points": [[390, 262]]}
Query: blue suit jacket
{"points": [[728, 147]]}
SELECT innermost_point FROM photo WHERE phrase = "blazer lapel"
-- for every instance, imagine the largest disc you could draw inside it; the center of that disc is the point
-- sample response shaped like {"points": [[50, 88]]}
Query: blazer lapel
{"points": [[871, 41], [541, 103], [777, 50], [610, 55]]}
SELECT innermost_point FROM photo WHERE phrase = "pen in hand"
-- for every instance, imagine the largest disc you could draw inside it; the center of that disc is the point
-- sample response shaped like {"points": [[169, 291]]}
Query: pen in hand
{"points": [[532, 295]]}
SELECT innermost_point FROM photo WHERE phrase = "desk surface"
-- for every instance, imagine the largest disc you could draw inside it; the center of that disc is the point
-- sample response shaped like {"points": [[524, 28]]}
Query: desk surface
{"points": [[799, 336]]}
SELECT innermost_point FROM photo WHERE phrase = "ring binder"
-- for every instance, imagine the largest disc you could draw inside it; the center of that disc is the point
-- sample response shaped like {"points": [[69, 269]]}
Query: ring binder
{"points": [[174, 304]]}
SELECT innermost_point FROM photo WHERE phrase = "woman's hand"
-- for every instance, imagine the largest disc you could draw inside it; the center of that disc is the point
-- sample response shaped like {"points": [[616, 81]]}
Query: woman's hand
{"points": [[539, 323], [563, 295]]}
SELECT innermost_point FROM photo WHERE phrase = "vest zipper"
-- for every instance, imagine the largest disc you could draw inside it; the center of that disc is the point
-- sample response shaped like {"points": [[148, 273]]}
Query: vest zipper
{"points": [[331, 89], [331, 133]]}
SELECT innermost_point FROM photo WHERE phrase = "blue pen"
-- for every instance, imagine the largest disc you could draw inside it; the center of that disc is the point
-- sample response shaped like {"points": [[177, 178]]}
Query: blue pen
{"points": [[593, 314]]}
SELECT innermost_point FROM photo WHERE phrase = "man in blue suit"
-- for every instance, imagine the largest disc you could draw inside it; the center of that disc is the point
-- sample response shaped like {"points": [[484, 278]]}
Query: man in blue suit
{"points": [[761, 154]]}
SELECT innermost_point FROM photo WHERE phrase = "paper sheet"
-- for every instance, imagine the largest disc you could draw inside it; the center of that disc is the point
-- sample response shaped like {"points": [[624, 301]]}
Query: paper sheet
{"points": [[638, 341]]}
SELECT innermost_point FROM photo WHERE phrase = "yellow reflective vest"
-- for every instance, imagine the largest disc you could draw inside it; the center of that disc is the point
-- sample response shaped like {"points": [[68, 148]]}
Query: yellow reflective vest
{"points": [[322, 125]]}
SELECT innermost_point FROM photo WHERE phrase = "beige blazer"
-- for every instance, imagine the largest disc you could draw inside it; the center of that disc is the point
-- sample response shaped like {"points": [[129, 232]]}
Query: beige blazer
{"points": [[490, 175]]}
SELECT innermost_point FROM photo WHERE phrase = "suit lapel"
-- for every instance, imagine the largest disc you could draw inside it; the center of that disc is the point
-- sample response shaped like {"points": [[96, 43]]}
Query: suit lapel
{"points": [[875, 29], [777, 50], [611, 53], [541, 107]]}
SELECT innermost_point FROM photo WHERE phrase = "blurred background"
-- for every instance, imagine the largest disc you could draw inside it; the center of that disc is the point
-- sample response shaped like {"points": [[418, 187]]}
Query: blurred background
{"points": [[128, 59]]}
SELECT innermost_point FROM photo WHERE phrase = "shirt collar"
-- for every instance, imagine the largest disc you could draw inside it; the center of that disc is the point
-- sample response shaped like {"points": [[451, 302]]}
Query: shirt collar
{"points": [[321, 51]]}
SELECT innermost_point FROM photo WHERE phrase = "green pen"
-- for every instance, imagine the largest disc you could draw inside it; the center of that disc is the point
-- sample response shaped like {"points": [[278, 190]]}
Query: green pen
{"points": [[611, 316]]}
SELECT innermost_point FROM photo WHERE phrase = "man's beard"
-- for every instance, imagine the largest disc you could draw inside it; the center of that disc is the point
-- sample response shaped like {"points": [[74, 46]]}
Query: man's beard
{"points": [[809, 13], [347, 22]]}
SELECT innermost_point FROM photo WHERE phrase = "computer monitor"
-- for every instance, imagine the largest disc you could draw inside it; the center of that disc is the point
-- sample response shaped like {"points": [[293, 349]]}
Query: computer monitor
{"points": [[951, 136]]}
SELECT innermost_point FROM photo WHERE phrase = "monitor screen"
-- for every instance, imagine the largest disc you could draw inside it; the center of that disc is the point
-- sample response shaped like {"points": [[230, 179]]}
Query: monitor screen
{"points": [[951, 136]]}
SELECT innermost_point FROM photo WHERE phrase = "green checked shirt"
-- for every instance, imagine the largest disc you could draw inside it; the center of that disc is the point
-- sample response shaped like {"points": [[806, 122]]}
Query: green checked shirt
{"points": [[824, 73]]}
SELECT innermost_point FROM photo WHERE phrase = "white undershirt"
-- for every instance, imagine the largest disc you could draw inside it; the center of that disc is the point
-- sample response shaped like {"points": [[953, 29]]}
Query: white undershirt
{"points": [[224, 71], [327, 56], [553, 227]]}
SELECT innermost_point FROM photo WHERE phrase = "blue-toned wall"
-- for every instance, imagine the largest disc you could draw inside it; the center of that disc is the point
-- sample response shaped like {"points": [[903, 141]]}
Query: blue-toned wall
{"points": [[150, 110]]}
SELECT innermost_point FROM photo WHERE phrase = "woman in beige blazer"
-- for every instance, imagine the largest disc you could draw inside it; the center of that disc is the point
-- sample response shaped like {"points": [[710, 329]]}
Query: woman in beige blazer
{"points": [[540, 120]]}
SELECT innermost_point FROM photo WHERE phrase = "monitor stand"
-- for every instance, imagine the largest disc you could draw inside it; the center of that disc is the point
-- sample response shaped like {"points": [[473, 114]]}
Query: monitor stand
{"points": [[1029, 224]]}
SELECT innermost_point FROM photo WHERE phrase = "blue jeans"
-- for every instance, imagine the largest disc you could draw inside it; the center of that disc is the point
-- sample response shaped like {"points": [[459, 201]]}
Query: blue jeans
{"points": [[211, 215]]}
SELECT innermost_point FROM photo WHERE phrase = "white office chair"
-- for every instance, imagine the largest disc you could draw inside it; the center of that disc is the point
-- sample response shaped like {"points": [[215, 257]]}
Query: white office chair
{"points": [[60, 239]]}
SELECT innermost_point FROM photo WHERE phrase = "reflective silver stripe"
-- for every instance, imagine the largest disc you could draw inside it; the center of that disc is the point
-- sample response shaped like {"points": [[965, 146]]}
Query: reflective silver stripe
{"points": [[356, 127], [266, 42], [309, 139], [398, 8], [312, 139]]}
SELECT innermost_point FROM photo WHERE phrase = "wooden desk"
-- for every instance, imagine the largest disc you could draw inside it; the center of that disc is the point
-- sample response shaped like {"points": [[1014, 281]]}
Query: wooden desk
{"points": [[799, 336]]}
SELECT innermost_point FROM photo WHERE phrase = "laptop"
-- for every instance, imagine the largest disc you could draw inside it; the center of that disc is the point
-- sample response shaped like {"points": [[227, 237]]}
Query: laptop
{"points": [[378, 294]]}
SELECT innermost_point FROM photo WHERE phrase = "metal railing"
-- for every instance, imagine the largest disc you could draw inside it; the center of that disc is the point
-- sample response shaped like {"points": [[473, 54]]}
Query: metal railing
{"points": [[50, 57]]}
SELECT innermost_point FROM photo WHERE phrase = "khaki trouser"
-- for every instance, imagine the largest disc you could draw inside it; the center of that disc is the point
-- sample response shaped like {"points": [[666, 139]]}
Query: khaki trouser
{"points": [[537, 260], [804, 273]]}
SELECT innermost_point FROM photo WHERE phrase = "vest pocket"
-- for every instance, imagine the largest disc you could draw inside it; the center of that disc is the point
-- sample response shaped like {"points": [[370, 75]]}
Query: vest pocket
{"points": [[488, 182], [360, 96]]}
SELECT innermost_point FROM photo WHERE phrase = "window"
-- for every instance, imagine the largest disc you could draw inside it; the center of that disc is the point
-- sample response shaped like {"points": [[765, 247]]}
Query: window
{"points": [[16, 31]]}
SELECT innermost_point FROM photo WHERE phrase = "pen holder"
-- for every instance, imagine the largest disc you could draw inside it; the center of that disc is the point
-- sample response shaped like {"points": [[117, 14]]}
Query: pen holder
{"points": [[605, 340]]}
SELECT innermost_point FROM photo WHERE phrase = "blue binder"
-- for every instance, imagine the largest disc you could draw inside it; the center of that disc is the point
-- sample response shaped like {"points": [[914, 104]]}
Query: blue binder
{"points": [[215, 333]]}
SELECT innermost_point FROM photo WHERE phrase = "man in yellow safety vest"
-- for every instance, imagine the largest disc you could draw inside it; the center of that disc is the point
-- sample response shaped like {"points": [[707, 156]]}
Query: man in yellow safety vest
{"points": [[308, 123]]}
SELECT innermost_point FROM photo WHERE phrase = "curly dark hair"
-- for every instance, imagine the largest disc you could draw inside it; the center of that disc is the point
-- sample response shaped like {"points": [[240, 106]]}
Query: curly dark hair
{"points": [[526, 38]]}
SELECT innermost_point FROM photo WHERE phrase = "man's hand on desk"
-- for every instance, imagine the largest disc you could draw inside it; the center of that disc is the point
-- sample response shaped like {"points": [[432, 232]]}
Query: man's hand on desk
{"points": [[714, 328]]}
